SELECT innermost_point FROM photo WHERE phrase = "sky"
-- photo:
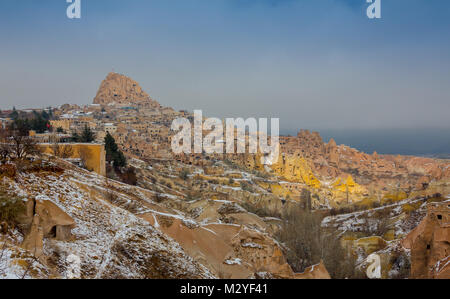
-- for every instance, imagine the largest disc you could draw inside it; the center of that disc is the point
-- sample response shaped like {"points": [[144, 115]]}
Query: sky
{"points": [[315, 64]]}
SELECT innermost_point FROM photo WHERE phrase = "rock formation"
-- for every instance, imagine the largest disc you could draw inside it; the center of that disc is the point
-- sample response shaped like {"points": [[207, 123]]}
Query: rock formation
{"points": [[429, 243], [34, 240], [119, 89], [314, 272], [262, 252], [46, 220]]}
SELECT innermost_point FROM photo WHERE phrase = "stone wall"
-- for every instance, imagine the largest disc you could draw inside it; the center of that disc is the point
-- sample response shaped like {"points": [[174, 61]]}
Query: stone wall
{"points": [[94, 154]]}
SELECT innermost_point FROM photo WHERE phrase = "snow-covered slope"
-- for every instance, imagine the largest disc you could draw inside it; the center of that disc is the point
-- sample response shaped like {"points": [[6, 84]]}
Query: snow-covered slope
{"points": [[110, 241]]}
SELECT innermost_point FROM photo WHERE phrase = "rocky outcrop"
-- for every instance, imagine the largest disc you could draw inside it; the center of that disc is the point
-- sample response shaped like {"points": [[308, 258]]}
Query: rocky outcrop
{"points": [[55, 222], [119, 89], [307, 159], [429, 243], [318, 271], [262, 252], [296, 168], [34, 240], [51, 219], [46, 220]]}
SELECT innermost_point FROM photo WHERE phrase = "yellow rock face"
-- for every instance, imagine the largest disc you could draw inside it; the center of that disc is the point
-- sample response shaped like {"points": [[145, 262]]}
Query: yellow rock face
{"points": [[279, 190], [347, 189], [348, 185], [296, 169], [395, 196], [371, 244]]}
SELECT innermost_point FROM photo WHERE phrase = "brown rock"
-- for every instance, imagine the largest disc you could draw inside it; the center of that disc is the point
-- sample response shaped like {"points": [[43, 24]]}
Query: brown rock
{"points": [[429, 243], [262, 252], [45, 219], [318, 271], [34, 240], [55, 222], [120, 89]]}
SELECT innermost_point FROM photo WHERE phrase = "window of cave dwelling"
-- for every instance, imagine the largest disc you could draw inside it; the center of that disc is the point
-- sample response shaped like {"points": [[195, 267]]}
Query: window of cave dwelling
{"points": [[439, 217], [428, 246]]}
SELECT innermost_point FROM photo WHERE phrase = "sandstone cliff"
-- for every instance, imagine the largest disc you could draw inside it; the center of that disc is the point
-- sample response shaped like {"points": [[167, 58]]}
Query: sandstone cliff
{"points": [[429, 244]]}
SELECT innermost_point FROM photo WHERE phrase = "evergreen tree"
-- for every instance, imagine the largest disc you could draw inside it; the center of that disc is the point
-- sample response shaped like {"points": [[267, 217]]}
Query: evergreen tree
{"points": [[20, 126], [111, 147], [120, 160], [87, 136], [14, 114], [113, 154], [39, 124], [75, 137], [45, 115]]}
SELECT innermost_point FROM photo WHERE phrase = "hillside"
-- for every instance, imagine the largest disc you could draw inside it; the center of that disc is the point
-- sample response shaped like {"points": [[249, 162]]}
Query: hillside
{"points": [[319, 211], [123, 231], [110, 241]]}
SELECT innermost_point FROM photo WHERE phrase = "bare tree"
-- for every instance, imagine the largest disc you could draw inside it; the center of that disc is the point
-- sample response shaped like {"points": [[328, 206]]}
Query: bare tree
{"points": [[5, 146], [85, 154], [308, 243], [5, 151], [22, 145], [63, 151]]}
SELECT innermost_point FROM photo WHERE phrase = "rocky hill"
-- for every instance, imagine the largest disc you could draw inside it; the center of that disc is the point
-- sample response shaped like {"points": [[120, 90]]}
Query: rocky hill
{"points": [[124, 231], [109, 240], [339, 175], [119, 89]]}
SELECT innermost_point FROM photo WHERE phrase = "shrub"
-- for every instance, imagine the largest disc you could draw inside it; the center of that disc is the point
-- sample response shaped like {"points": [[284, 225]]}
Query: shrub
{"points": [[184, 174], [8, 170], [129, 176], [10, 208], [159, 198], [247, 187], [401, 265]]}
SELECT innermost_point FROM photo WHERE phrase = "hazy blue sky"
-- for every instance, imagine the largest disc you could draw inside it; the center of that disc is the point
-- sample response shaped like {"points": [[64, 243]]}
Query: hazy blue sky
{"points": [[317, 64]]}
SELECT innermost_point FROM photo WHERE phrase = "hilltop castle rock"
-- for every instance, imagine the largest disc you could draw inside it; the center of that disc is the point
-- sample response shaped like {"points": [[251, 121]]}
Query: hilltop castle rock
{"points": [[120, 89]]}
